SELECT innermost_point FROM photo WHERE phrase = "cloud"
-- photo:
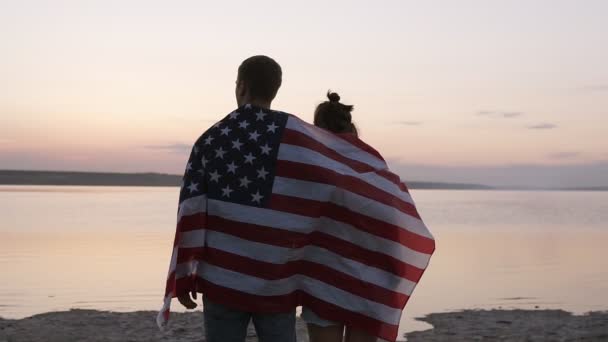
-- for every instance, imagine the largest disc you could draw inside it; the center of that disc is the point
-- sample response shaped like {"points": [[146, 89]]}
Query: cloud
{"points": [[499, 114], [564, 155], [409, 123], [511, 114], [174, 148], [545, 125]]}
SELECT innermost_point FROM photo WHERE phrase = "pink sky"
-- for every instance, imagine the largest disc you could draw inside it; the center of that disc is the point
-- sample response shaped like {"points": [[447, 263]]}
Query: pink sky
{"points": [[124, 86]]}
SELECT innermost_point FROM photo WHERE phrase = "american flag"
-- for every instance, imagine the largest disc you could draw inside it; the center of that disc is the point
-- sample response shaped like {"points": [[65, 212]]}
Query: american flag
{"points": [[276, 213]]}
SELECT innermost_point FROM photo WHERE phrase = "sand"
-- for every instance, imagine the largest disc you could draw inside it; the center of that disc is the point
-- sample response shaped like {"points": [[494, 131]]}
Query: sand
{"points": [[514, 325], [502, 325]]}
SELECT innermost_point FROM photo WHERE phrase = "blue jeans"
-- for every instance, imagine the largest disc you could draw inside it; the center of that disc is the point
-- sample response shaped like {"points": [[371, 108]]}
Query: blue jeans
{"points": [[224, 324]]}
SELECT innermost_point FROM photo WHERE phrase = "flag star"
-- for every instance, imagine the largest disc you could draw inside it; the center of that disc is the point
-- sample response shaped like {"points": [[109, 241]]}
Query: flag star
{"points": [[219, 153], [204, 161], [254, 136], [215, 176], [232, 167], [262, 173], [225, 130], [248, 106], [208, 140], [234, 114], [249, 158], [266, 149], [243, 124], [260, 115], [272, 127], [236, 144], [226, 191], [195, 149], [193, 187], [201, 171], [256, 197], [244, 182], [217, 125], [189, 166]]}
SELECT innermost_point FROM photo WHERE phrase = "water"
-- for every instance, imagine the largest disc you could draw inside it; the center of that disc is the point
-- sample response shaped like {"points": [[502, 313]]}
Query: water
{"points": [[108, 248]]}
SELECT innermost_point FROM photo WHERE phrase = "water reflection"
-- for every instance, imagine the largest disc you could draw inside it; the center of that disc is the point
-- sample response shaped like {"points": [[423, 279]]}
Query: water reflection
{"points": [[107, 248]]}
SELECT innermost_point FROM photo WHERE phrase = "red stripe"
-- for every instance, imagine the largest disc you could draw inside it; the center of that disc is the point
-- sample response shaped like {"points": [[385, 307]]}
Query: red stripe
{"points": [[313, 173], [170, 284], [354, 140], [192, 222], [293, 137], [328, 275], [286, 303], [289, 239], [311, 208]]}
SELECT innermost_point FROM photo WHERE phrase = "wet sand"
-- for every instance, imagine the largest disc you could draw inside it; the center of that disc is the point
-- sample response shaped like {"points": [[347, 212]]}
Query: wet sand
{"points": [[501, 325]]}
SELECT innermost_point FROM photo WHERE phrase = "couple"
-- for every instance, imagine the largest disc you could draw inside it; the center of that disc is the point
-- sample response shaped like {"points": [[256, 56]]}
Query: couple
{"points": [[276, 213]]}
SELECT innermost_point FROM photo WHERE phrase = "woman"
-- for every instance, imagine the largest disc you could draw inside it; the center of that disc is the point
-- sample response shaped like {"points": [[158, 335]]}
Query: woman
{"points": [[335, 117]]}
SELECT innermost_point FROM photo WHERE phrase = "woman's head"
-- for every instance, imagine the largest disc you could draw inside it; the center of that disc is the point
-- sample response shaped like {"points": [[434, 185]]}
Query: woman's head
{"points": [[334, 115]]}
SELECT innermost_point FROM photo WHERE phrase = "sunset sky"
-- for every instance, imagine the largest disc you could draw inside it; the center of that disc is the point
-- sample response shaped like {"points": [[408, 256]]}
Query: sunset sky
{"points": [[494, 92]]}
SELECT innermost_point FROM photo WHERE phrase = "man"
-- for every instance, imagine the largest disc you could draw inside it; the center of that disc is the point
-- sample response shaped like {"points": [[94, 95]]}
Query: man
{"points": [[277, 213], [213, 170]]}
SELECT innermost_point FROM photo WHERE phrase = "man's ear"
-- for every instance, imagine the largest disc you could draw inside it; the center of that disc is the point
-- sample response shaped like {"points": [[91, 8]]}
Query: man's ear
{"points": [[241, 89]]}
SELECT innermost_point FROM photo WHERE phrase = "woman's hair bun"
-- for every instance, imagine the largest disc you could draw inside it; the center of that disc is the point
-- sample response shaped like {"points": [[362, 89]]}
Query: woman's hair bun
{"points": [[333, 97]]}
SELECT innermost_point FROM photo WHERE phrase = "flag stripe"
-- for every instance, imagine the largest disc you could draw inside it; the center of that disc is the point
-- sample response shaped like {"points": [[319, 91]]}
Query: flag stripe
{"points": [[263, 249], [254, 285], [297, 138], [324, 193], [345, 182], [285, 303], [336, 143], [192, 206], [323, 273], [312, 208], [285, 221], [299, 154]]}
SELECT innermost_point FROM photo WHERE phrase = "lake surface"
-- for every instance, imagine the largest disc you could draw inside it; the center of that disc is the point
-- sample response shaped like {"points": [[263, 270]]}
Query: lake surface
{"points": [[109, 247]]}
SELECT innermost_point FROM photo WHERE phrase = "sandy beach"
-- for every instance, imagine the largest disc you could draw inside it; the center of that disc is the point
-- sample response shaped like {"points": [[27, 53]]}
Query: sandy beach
{"points": [[470, 325]]}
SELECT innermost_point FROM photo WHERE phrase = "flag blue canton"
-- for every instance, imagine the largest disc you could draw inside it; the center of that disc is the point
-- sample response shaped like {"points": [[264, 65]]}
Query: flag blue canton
{"points": [[235, 159]]}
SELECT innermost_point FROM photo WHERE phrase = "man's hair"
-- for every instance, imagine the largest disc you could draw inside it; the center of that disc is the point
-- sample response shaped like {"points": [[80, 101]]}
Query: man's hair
{"points": [[262, 76]]}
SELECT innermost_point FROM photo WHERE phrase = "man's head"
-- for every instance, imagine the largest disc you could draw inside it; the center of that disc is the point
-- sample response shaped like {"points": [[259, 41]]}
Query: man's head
{"points": [[258, 81]]}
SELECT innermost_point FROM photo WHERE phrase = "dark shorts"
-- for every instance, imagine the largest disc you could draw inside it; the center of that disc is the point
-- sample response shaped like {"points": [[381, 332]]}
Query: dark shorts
{"points": [[224, 324]]}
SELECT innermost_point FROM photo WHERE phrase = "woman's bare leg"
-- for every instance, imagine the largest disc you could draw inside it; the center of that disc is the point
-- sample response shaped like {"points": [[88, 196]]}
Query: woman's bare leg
{"points": [[354, 335], [332, 333]]}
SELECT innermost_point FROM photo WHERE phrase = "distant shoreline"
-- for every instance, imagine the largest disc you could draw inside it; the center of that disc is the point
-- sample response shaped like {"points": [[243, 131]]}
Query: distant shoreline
{"points": [[58, 178], [153, 179]]}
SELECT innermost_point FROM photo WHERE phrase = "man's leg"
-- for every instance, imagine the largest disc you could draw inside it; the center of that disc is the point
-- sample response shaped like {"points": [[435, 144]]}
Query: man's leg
{"points": [[223, 324], [277, 327]]}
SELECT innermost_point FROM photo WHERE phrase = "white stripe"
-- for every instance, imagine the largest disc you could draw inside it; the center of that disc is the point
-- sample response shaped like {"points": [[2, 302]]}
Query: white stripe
{"points": [[262, 287], [345, 231], [263, 217], [192, 238], [304, 155], [192, 206], [160, 317], [335, 143], [281, 255], [374, 243], [357, 203], [305, 225]]}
